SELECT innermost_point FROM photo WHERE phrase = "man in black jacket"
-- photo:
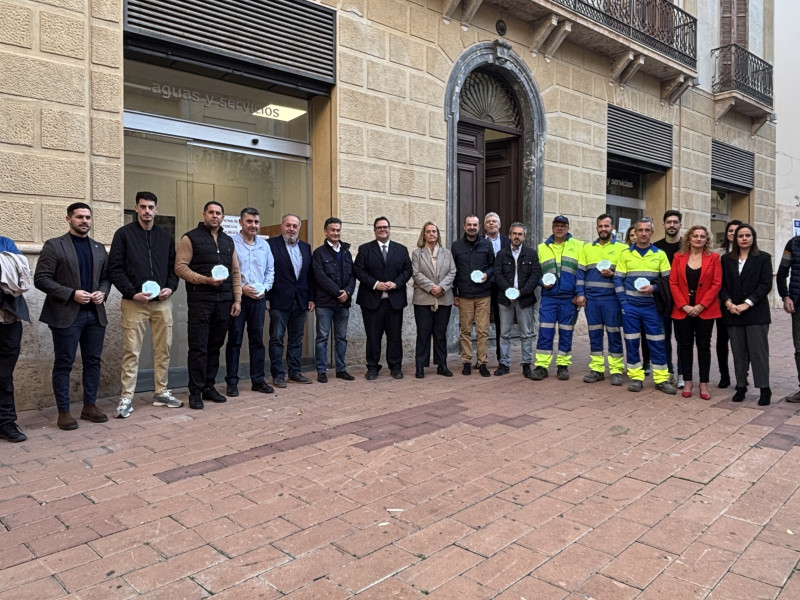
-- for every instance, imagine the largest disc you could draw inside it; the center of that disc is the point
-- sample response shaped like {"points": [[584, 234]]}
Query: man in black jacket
{"points": [[474, 258], [206, 260], [335, 282], [516, 274], [143, 254]]}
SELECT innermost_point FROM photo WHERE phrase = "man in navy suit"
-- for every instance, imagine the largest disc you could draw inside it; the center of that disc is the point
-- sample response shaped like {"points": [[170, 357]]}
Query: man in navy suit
{"points": [[383, 268], [73, 271], [290, 300]]}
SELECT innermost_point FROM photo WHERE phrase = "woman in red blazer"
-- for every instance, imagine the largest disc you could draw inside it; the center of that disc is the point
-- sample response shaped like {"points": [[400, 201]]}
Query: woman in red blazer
{"points": [[695, 280]]}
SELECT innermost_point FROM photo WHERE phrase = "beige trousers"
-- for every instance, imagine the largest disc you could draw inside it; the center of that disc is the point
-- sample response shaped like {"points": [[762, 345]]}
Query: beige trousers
{"points": [[135, 317], [477, 310]]}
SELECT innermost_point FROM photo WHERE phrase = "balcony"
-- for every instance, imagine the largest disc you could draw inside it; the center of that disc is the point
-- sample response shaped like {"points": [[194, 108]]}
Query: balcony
{"points": [[738, 70], [653, 36], [657, 24]]}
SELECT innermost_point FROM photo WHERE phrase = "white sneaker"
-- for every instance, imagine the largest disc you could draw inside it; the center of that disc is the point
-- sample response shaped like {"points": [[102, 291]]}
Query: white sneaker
{"points": [[680, 382], [124, 408], [167, 399]]}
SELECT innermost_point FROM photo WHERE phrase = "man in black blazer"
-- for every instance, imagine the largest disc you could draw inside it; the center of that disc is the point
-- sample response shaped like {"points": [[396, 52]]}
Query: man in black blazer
{"points": [[290, 300], [73, 271], [383, 268], [491, 229]]}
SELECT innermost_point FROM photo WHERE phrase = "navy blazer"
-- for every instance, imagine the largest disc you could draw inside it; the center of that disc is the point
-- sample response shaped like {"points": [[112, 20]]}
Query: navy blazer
{"points": [[58, 275], [370, 269], [287, 288]]}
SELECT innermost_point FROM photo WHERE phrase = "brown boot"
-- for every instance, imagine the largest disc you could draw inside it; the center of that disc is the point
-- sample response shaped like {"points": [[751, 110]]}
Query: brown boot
{"points": [[91, 413], [65, 421]]}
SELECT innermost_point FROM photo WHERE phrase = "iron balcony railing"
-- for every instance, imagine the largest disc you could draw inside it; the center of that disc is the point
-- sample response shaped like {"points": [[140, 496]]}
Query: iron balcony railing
{"points": [[738, 70], [657, 24]]}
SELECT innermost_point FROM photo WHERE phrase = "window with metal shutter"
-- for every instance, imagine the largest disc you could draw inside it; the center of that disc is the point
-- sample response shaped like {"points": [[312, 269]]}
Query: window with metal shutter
{"points": [[732, 168], [279, 36], [639, 138]]}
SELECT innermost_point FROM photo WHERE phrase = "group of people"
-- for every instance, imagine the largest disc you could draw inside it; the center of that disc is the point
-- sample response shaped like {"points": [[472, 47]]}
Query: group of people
{"points": [[637, 290]]}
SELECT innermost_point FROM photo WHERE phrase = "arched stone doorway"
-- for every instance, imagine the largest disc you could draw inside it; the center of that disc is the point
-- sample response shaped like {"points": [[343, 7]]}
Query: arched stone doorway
{"points": [[490, 83]]}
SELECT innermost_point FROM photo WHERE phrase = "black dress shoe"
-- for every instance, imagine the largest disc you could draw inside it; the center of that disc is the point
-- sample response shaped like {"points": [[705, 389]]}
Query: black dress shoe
{"points": [[371, 375], [262, 387], [211, 393], [724, 382], [322, 377], [420, 373], [466, 369], [484, 370], [397, 374], [443, 370], [232, 390], [501, 370], [279, 382], [344, 375], [740, 394], [299, 378], [195, 402], [766, 397], [11, 432]]}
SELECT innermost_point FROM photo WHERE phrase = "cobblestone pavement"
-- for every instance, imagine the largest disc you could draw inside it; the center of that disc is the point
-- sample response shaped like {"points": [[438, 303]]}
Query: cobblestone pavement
{"points": [[457, 488]]}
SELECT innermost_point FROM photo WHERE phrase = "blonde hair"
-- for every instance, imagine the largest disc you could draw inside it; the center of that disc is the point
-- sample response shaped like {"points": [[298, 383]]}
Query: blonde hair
{"points": [[686, 247], [421, 240]]}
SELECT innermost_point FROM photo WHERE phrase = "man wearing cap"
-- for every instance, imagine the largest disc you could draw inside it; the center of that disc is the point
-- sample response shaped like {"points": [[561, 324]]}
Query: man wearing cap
{"points": [[596, 294], [516, 273], [637, 267], [558, 256]]}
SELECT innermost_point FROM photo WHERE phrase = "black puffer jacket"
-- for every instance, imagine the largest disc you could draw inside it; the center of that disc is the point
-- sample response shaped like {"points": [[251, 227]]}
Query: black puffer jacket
{"points": [[137, 256], [472, 256]]}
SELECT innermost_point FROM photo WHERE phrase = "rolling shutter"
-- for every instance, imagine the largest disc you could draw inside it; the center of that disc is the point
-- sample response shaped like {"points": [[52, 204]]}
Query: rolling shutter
{"points": [[639, 139], [732, 168], [264, 39]]}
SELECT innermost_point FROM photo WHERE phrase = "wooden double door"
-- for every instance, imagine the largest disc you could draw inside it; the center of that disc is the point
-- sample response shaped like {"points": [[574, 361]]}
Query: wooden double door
{"points": [[489, 173]]}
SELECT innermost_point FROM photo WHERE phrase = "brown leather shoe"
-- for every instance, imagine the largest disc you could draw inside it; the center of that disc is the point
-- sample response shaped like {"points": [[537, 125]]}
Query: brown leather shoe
{"points": [[91, 413], [65, 421]]}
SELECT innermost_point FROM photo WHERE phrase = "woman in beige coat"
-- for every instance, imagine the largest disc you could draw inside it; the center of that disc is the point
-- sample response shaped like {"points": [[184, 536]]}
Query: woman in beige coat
{"points": [[433, 271]]}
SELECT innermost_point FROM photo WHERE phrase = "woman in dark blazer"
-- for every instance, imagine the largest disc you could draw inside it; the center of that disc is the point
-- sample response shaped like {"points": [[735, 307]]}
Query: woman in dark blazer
{"points": [[723, 342], [695, 280], [433, 271], [746, 284]]}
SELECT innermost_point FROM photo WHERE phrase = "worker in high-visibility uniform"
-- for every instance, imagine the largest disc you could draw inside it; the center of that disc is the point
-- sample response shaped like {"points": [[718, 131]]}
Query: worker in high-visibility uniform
{"points": [[558, 256], [637, 266], [596, 294]]}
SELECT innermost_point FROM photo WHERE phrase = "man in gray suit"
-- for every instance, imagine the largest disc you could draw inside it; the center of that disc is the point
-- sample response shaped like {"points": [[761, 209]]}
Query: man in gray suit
{"points": [[73, 271]]}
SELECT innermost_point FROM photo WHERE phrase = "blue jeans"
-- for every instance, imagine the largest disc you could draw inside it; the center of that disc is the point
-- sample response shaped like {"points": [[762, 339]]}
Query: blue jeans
{"points": [[253, 315], [87, 332], [282, 322], [338, 317]]}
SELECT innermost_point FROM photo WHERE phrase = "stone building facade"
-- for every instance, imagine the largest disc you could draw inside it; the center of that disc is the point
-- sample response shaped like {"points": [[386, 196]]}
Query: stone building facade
{"points": [[435, 108]]}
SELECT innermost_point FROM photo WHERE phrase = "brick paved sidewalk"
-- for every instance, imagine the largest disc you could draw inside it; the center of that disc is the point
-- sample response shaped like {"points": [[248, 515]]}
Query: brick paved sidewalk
{"points": [[456, 488]]}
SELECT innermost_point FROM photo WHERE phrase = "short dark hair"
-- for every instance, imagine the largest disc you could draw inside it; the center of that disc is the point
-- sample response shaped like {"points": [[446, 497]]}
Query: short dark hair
{"points": [[249, 210], [673, 213], [753, 248], [603, 217], [77, 206], [332, 221], [148, 196], [375, 222], [471, 217], [210, 202]]}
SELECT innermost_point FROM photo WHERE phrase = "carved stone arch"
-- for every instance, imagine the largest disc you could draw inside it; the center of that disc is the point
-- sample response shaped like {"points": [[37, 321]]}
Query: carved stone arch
{"points": [[503, 62]]}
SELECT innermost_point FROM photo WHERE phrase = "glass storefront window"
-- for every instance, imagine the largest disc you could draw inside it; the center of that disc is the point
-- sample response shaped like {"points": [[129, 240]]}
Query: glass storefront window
{"points": [[720, 215], [189, 97], [624, 199]]}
